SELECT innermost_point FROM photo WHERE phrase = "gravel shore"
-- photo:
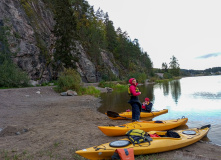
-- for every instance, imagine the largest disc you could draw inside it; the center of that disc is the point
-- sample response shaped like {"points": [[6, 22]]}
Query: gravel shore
{"points": [[37, 123]]}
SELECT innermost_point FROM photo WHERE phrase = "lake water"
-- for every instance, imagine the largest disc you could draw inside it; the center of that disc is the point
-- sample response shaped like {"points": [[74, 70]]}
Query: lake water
{"points": [[197, 98]]}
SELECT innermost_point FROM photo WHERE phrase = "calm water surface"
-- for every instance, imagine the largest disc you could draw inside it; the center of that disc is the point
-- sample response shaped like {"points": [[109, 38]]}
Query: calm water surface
{"points": [[197, 98]]}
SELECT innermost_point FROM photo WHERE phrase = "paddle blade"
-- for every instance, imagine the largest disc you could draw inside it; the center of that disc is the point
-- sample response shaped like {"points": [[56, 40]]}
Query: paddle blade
{"points": [[112, 114]]}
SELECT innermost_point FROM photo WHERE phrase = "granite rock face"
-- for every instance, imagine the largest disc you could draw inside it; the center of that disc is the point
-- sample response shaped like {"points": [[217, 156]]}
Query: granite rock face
{"points": [[32, 42], [30, 26], [85, 67]]}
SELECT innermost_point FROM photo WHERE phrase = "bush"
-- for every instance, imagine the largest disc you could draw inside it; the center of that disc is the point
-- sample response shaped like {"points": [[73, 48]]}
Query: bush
{"points": [[90, 90], [163, 80], [107, 75], [69, 79], [12, 76], [104, 84], [140, 77], [167, 75], [119, 86]]}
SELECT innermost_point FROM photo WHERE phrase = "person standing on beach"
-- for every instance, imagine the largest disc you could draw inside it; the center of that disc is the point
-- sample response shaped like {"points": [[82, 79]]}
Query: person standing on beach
{"points": [[134, 92]]}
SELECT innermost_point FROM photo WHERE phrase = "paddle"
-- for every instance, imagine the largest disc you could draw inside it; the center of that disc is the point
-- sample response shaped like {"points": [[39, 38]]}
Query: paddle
{"points": [[115, 115]]}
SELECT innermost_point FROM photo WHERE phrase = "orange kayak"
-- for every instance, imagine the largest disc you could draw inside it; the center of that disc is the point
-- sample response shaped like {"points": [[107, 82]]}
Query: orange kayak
{"points": [[142, 114], [143, 125]]}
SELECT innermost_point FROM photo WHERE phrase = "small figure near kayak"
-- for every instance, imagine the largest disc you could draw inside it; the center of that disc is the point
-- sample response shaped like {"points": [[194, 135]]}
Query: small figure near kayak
{"points": [[147, 105], [134, 92]]}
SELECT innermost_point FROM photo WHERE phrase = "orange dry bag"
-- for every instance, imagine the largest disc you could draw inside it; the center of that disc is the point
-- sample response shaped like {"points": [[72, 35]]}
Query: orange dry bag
{"points": [[126, 153]]}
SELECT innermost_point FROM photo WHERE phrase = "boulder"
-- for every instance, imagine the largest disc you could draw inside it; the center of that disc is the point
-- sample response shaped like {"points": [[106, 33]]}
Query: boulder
{"points": [[64, 94], [71, 93]]}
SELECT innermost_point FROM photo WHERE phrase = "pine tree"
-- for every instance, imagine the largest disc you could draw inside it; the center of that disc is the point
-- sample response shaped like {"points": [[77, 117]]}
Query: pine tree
{"points": [[111, 35], [174, 66], [64, 30], [165, 67]]}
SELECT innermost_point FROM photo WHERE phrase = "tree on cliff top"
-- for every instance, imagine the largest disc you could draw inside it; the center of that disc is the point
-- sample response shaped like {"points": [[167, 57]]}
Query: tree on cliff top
{"points": [[76, 20]]}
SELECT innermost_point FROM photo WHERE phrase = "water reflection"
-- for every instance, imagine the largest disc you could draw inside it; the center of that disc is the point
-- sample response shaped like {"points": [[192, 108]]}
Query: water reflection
{"points": [[117, 101], [165, 88], [175, 90], [147, 91], [172, 87]]}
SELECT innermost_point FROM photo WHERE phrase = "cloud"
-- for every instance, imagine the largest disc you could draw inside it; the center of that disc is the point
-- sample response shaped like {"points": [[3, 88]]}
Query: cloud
{"points": [[209, 55]]}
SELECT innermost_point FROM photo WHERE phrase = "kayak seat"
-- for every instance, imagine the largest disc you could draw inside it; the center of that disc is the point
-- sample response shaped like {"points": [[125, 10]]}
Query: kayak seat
{"points": [[158, 122], [162, 135], [142, 110], [172, 134]]}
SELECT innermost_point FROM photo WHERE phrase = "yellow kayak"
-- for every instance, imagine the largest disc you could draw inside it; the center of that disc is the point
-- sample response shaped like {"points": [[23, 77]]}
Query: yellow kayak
{"points": [[142, 114], [158, 144], [143, 125]]}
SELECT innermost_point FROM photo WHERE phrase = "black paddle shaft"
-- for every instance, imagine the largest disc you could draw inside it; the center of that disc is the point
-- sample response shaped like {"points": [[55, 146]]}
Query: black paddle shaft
{"points": [[115, 115]]}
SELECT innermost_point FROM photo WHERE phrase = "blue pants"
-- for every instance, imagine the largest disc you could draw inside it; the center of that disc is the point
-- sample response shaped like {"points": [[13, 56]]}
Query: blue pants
{"points": [[135, 111]]}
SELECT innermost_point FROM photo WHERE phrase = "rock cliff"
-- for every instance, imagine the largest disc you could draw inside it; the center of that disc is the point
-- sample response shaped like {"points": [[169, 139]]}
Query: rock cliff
{"points": [[32, 42]]}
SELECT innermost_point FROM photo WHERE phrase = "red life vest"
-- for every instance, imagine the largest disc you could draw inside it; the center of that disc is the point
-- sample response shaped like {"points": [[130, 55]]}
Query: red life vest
{"points": [[144, 105], [126, 153]]}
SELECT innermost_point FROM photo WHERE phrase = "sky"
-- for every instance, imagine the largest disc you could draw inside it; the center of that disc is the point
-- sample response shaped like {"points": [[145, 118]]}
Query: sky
{"points": [[190, 30]]}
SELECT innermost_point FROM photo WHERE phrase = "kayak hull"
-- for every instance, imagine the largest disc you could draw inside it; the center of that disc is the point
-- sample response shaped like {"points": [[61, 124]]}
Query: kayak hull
{"points": [[142, 114], [158, 144], [143, 125]]}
